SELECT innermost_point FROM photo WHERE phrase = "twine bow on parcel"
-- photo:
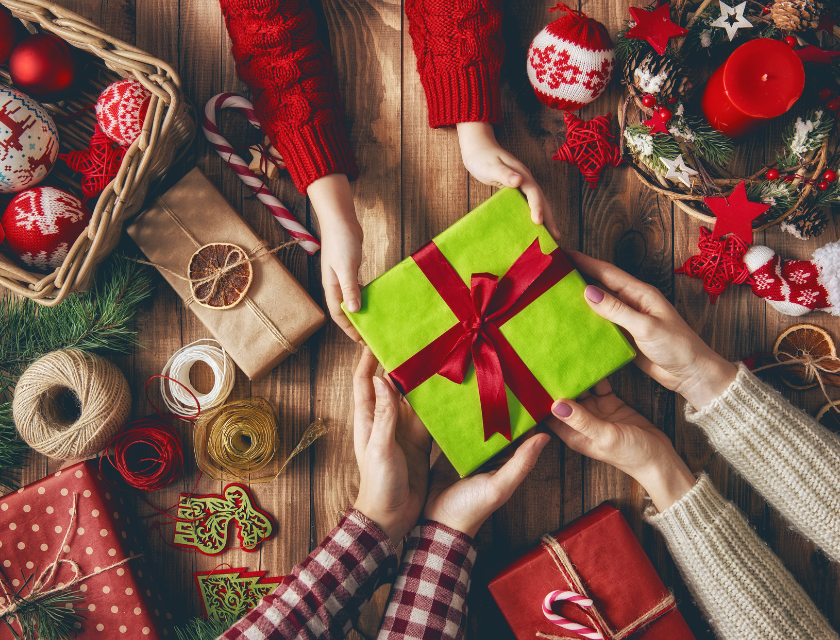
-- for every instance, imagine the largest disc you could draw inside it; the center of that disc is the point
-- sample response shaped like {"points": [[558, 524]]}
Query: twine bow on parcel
{"points": [[601, 629], [814, 368]]}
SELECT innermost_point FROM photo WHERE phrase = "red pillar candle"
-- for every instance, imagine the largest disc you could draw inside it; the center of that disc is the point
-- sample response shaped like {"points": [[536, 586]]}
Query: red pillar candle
{"points": [[762, 79]]}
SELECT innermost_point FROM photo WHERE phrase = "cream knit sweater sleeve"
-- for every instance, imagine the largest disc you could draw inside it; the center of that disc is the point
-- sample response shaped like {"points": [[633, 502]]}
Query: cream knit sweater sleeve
{"points": [[786, 455], [740, 585]]}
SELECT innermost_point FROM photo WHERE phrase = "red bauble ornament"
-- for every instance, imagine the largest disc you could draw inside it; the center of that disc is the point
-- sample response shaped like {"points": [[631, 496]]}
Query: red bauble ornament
{"points": [[121, 110], [41, 225], [772, 174], [833, 104], [822, 185], [830, 175], [571, 61], [8, 35], [649, 101], [825, 94], [791, 41], [42, 66], [665, 114]]}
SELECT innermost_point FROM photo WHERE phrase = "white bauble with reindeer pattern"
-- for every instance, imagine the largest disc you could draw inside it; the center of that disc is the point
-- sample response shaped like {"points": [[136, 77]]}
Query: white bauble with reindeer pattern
{"points": [[28, 141]]}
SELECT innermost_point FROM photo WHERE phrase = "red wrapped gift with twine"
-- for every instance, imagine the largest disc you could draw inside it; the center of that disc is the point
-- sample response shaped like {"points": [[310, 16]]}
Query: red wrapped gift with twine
{"points": [[69, 533], [591, 580]]}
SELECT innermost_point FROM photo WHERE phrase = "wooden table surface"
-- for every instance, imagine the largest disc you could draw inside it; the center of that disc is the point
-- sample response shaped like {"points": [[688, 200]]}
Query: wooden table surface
{"points": [[413, 185]]}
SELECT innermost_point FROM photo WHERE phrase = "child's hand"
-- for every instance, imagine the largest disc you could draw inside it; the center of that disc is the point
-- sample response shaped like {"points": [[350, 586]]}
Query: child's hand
{"points": [[392, 450], [465, 504], [341, 247], [490, 164]]}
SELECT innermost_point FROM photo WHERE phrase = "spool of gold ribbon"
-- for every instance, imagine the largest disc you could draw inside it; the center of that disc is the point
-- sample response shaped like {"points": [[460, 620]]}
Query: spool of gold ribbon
{"points": [[239, 441]]}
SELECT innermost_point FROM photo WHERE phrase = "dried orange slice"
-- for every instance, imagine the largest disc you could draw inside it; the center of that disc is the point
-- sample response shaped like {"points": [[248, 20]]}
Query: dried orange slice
{"points": [[802, 341], [829, 416], [217, 279]]}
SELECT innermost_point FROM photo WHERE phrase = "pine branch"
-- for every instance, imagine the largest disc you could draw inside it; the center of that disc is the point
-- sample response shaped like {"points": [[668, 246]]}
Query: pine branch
{"points": [[12, 450], [50, 617], [713, 146], [650, 149], [625, 47], [780, 195], [202, 629], [702, 36], [804, 135]]}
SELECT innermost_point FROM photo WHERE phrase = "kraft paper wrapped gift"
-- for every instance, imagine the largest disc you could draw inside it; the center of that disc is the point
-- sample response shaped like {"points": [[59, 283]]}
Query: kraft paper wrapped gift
{"points": [[534, 337], [596, 556], [117, 602], [277, 314]]}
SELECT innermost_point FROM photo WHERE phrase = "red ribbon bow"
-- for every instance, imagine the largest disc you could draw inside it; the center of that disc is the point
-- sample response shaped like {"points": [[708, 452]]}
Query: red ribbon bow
{"points": [[481, 310]]}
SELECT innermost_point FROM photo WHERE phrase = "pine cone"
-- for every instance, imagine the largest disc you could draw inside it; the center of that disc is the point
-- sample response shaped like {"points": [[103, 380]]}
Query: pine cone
{"points": [[662, 76], [796, 15], [807, 222]]}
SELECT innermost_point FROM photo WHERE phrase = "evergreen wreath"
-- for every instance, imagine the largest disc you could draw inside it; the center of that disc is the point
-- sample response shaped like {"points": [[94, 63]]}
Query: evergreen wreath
{"points": [[800, 184]]}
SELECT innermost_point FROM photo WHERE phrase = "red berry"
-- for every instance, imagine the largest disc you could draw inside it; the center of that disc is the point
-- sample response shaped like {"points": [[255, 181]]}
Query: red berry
{"points": [[830, 175], [791, 41], [833, 104], [790, 177], [648, 101], [766, 8], [665, 114], [672, 99], [772, 174], [822, 185], [825, 94]]}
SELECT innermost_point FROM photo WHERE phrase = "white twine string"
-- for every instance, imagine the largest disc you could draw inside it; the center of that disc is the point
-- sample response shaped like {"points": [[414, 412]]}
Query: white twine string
{"points": [[178, 399]]}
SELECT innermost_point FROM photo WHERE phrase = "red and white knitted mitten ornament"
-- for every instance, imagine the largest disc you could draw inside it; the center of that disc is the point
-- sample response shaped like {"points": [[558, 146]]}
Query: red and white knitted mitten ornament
{"points": [[571, 61], [795, 287], [121, 110]]}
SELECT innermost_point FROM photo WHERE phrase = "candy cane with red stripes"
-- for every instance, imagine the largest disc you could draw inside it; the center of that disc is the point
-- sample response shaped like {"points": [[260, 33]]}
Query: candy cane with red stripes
{"points": [[223, 148], [565, 623]]}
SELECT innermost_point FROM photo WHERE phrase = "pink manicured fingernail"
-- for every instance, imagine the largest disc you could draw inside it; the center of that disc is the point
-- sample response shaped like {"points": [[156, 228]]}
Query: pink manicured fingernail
{"points": [[593, 294], [561, 409]]}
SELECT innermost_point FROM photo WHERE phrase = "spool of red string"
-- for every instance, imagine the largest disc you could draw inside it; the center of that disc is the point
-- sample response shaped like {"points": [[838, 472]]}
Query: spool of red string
{"points": [[147, 454]]}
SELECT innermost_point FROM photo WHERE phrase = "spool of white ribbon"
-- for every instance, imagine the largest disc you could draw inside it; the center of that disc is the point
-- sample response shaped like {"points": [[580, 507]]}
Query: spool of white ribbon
{"points": [[176, 398]]}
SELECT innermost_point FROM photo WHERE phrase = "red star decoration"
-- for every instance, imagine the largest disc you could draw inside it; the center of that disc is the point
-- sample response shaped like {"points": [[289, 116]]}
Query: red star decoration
{"points": [[98, 164], [815, 55], [735, 214], [654, 26], [827, 22], [718, 265], [656, 124], [589, 146]]}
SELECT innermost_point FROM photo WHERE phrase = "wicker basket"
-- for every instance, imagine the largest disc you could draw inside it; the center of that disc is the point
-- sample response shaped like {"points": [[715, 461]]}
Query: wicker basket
{"points": [[168, 128]]}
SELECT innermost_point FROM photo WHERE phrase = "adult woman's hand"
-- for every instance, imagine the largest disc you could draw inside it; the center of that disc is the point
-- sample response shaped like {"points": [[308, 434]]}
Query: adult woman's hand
{"points": [[392, 450], [601, 426], [669, 351], [465, 504]]}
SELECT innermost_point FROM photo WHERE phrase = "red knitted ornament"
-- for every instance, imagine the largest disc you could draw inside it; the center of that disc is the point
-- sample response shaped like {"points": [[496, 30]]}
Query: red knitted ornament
{"points": [[719, 263], [571, 61], [121, 110], [98, 164], [41, 225], [589, 146]]}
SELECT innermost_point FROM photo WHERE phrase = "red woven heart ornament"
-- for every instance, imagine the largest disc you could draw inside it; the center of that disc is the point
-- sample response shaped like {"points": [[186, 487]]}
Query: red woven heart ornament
{"points": [[719, 263], [589, 146], [571, 61], [99, 163]]}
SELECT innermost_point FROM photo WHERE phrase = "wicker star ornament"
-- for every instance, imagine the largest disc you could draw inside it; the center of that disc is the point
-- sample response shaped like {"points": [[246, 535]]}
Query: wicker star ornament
{"points": [[589, 146]]}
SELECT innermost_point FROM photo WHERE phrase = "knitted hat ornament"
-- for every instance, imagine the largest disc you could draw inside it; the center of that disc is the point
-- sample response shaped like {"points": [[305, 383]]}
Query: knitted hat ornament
{"points": [[571, 61], [121, 110]]}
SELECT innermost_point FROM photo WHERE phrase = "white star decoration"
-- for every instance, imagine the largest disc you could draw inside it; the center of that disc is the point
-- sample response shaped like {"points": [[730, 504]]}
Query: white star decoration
{"points": [[679, 170], [727, 12]]}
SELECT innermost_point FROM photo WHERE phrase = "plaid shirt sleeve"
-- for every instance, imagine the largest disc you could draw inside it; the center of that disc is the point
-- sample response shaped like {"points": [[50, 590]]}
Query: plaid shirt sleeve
{"points": [[325, 594], [429, 598]]}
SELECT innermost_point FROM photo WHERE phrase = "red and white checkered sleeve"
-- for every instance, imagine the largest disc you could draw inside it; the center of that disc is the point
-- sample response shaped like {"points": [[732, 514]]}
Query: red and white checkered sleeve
{"points": [[325, 594], [429, 598]]}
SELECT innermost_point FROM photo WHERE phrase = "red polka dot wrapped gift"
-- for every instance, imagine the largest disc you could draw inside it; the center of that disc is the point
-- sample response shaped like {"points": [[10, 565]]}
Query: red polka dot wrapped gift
{"points": [[119, 598]]}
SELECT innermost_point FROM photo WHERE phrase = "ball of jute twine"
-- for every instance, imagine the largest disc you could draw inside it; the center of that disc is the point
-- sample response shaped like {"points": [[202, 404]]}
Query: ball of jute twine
{"points": [[69, 404]]}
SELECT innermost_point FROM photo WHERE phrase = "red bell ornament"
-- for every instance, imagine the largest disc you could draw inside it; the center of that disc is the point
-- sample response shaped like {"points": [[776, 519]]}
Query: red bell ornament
{"points": [[8, 36], [42, 66]]}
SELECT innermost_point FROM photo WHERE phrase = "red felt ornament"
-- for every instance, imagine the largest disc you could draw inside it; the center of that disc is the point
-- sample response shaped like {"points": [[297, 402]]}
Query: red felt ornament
{"points": [[99, 163], [827, 22], [654, 26], [719, 263], [656, 123], [571, 61], [42, 66], [121, 110], [815, 55], [8, 35], [41, 225], [589, 146], [735, 214]]}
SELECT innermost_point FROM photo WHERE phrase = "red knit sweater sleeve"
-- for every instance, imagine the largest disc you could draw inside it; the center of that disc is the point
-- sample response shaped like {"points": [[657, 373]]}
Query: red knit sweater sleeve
{"points": [[459, 50], [293, 85]]}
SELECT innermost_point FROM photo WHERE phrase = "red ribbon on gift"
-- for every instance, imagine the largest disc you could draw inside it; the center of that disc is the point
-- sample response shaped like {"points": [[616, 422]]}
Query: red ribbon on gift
{"points": [[481, 310]]}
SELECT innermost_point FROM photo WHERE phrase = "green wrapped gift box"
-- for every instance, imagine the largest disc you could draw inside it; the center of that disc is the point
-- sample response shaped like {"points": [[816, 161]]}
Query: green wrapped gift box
{"points": [[490, 313]]}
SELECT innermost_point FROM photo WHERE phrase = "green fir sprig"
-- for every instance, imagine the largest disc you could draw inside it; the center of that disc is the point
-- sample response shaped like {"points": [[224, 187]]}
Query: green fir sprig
{"points": [[650, 149], [202, 629], [48, 617], [804, 135], [713, 146], [780, 195]]}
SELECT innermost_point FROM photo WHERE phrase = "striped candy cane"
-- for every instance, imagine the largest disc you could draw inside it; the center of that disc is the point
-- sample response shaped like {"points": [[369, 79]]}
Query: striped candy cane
{"points": [[211, 132], [565, 623]]}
